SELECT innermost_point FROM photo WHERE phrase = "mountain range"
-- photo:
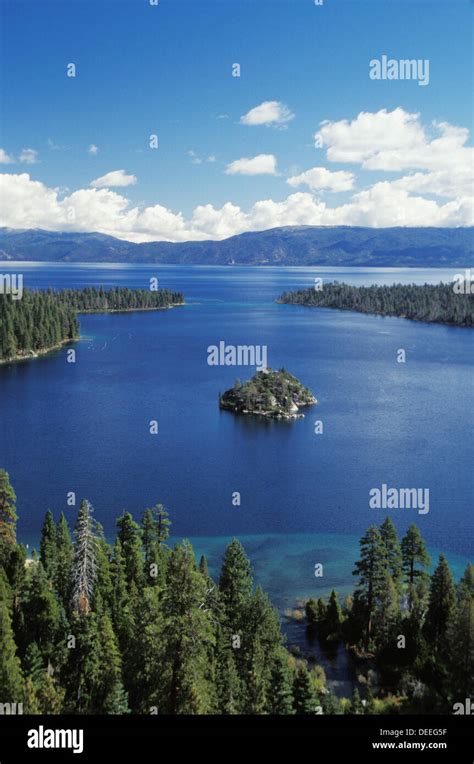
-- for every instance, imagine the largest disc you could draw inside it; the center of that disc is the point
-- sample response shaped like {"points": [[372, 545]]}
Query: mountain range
{"points": [[289, 245]]}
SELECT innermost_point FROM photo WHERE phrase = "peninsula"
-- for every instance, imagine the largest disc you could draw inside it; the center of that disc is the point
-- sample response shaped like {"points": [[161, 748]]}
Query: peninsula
{"points": [[451, 304], [273, 394], [36, 322]]}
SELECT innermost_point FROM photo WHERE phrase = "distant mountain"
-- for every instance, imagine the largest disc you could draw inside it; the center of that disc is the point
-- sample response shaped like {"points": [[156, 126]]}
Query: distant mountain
{"points": [[291, 245]]}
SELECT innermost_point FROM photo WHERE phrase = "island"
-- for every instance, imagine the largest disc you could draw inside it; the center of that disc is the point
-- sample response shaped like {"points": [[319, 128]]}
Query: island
{"points": [[39, 321], [430, 303], [273, 394]]}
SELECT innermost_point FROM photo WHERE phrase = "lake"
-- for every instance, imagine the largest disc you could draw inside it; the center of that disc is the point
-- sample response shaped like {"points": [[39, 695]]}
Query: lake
{"points": [[84, 427]]}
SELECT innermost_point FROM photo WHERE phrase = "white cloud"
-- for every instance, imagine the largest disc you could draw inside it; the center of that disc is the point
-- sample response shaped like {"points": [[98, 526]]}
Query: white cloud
{"points": [[268, 113], [436, 189], [27, 203], [28, 156], [262, 164], [93, 149], [5, 158], [319, 178], [114, 178]]}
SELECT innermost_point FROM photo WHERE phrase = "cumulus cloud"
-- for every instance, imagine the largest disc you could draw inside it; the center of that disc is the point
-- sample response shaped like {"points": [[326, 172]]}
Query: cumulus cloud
{"points": [[5, 158], [93, 149], [319, 178], [114, 178], [27, 203], [268, 113], [262, 164], [28, 156], [430, 184]]}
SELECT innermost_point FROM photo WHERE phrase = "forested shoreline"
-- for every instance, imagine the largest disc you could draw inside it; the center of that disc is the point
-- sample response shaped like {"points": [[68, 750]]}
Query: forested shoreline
{"points": [[430, 303], [43, 320], [138, 627]]}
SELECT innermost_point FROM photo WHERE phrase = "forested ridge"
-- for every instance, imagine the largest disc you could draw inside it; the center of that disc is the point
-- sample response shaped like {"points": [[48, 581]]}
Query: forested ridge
{"points": [[432, 303], [42, 320], [138, 627]]}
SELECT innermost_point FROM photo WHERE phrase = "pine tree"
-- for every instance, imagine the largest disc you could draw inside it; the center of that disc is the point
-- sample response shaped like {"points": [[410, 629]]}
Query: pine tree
{"points": [[442, 606], [203, 566], [122, 614], [48, 545], [130, 538], [11, 680], [110, 696], [414, 553], [236, 584], [64, 558], [304, 695], [462, 638], [187, 634], [393, 550], [40, 613], [8, 518], [371, 569], [226, 678], [84, 565], [388, 609], [333, 616], [311, 611], [356, 707], [280, 693]]}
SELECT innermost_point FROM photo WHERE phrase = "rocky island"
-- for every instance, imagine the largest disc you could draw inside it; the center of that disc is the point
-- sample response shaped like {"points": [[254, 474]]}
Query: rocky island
{"points": [[273, 394]]}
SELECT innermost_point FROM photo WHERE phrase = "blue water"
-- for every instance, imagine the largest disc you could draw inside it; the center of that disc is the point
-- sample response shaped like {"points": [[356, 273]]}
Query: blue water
{"points": [[84, 427]]}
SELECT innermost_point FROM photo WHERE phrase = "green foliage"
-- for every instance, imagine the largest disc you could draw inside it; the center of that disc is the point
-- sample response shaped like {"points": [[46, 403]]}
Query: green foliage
{"points": [[8, 518], [11, 680], [273, 393], [414, 553], [427, 302], [42, 320], [305, 700]]}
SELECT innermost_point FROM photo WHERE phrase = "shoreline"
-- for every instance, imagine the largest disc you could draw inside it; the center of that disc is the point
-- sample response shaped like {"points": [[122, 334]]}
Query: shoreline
{"points": [[33, 354], [376, 313]]}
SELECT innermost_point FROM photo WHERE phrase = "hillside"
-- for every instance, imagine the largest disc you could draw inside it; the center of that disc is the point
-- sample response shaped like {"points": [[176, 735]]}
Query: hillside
{"points": [[297, 245]]}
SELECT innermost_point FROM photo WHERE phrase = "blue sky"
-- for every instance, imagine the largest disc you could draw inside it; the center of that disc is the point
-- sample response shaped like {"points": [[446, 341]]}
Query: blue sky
{"points": [[167, 69]]}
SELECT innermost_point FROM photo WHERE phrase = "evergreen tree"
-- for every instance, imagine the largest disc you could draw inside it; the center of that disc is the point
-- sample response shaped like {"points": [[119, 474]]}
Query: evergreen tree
{"points": [[371, 569], [8, 518], [122, 614], [48, 545], [393, 549], [235, 583], [203, 567], [414, 553], [11, 680], [84, 565], [110, 697], [227, 682], [356, 707], [280, 692], [388, 609], [311, 611], [333, 616], [40, 611], [130, 539], [187, 633], [304, 695], [442, 606], [461, 638], [64, 558]]}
